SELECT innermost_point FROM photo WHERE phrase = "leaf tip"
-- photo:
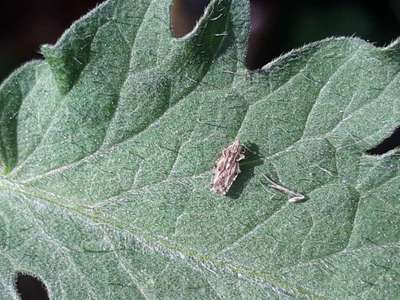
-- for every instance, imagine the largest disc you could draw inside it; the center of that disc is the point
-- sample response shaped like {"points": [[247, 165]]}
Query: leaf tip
{"points": [[60, 65]]}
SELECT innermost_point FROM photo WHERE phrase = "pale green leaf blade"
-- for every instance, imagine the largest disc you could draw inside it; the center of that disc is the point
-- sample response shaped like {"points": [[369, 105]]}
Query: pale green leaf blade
{"points": [[107, 149]]}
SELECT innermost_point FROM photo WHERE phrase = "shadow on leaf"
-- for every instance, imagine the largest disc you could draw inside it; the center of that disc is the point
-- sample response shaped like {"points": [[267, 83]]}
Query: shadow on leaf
{"points": [[253, 159]]}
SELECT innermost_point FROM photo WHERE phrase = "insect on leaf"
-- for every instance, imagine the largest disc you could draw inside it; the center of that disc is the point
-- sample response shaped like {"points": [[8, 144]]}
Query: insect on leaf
{"points": [[227, 168]]}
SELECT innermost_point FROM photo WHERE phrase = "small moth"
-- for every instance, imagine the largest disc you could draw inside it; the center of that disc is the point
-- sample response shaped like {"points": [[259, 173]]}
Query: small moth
{"points": [[227, 167]]}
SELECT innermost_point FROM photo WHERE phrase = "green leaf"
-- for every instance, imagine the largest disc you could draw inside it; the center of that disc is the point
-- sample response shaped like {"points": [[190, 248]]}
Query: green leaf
{"points": [[107, 148]]}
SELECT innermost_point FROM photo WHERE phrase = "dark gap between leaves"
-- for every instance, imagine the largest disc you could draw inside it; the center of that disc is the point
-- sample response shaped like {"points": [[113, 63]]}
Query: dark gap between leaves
{"points": [[390, 143], [30, 288], [278, 26], [185, 14]]}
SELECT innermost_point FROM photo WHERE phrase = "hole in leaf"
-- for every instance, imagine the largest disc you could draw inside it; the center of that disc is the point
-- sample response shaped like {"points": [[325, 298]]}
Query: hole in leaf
{"points": [[261, 47], [264, 42], [30, 288], [390, 143]]}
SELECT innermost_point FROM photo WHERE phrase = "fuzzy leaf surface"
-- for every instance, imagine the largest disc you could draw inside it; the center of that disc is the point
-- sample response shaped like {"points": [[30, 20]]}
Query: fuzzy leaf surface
{"points": [[107, 148]]}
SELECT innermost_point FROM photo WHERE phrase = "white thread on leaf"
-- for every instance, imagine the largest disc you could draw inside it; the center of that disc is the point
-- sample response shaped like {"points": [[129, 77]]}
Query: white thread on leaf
{"points": [[294, 197]]}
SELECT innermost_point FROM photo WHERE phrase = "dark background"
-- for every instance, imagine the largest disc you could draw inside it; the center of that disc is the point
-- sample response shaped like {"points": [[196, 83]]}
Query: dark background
{"points": [[277, 27]]}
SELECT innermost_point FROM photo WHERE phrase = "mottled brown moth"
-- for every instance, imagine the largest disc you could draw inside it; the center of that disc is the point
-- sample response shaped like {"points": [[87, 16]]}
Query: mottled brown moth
{"points": [[227, 167]]}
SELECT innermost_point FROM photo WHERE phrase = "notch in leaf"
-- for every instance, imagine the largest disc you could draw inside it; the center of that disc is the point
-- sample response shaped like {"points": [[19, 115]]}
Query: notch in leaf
{"points": [[390, 143], [30, 287]]}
